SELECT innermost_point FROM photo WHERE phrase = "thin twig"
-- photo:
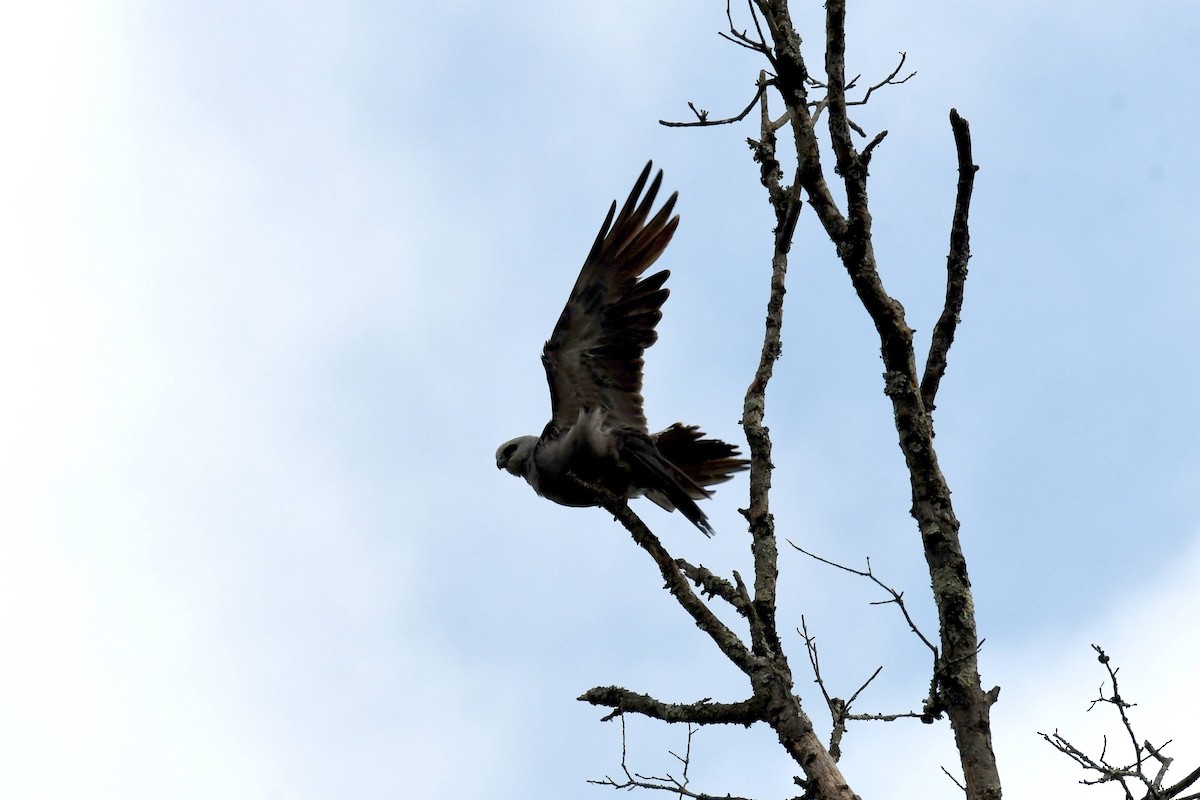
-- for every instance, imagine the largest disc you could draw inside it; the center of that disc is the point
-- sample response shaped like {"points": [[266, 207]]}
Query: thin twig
{"points": [[702, 119], [890, 80], [955, 780], [897, 597], [665, 783], [740, 38], [1134, 772]]}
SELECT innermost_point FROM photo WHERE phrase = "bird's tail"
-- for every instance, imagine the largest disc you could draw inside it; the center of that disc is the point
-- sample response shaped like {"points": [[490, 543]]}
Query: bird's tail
{"points": [[664, 483], [706, 462], [677, 464]]}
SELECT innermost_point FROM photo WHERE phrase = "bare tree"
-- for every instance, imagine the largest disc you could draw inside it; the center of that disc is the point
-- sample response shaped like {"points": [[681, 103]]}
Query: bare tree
{"points": [[792, 99], [1145, 773]]}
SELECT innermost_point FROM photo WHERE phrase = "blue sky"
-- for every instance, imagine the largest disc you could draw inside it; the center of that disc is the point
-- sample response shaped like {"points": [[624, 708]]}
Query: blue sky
{"points": [[275, 282]]}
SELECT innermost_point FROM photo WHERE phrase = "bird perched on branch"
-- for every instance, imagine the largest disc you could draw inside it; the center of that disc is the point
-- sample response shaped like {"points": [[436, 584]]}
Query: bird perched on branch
{"points": [[596, 444]]}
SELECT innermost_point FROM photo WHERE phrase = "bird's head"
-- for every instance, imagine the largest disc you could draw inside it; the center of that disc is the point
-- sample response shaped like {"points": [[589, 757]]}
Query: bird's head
{"points": [[515, 453]]}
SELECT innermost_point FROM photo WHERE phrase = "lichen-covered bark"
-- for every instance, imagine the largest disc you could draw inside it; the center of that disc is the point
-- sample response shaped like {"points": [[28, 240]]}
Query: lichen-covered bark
{"points": [[960, 692], [956, 684]]}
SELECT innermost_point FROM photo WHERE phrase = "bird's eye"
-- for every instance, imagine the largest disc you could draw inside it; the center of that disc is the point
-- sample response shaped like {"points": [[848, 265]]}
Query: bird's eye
{"points": [[508, 451]]}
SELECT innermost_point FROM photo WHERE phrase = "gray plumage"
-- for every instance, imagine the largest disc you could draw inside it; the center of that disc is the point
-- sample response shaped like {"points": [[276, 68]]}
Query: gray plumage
{"points": [[597, 435]]}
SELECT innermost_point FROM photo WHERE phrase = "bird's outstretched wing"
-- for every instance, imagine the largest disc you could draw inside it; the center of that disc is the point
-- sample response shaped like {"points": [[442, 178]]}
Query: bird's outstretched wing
{"points": [[594, 357]]}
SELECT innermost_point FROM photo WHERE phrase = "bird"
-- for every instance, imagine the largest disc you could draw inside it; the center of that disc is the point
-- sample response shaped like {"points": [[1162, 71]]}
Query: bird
{"points": [[597, 445]]}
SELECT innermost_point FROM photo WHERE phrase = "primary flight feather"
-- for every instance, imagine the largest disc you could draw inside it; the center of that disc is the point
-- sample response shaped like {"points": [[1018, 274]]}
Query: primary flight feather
{"points": [[597, 437]]}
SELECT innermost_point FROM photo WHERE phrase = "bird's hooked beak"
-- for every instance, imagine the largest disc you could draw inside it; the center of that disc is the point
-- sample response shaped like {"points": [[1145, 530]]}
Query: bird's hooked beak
{"points": [[512, 454]]}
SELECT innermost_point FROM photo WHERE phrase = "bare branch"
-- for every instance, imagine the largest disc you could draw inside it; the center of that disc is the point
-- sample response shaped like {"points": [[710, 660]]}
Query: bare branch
{"points": [[839, 710], [887, 717], [897, 597], [701, 712], [955, 683], [714, 585], [866, 683], [960, 692], [1134, 773], [866, 153], [956, 265], [666, 783], [677, 585], [819, 105], [757, 27], [890, 80], [740, 38], [954, 780], [810, 645], [1121, 705], [786, 204], [1163, 761], [702, 119], [839, 122], [1176, 789]]}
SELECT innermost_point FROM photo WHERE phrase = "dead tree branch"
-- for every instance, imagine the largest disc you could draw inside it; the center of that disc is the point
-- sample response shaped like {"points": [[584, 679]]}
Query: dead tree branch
{"points": [[702, 119], [715, 586], [740, 38], [890, 80], [839, 709], [966, 702], [702, 712], [677, 584], [897, 597], [765, 663], [955, 686], [1137, 772], [956, 264], [665, 783]]}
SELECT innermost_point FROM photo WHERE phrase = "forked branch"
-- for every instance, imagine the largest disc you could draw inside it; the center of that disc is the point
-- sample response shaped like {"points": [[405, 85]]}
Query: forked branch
{"points": [[678, 785], [702, 119], [956, 264], [896, 597], [955, 686], [677, 584], [1139, 774]]}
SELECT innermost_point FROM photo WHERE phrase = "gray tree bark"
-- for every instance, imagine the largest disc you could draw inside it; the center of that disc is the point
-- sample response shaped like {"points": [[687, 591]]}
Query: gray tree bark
{"points": [[956, 687]]}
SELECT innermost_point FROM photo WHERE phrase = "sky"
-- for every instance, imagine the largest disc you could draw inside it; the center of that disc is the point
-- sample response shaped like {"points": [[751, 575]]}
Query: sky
{"points": [[274, 280]]}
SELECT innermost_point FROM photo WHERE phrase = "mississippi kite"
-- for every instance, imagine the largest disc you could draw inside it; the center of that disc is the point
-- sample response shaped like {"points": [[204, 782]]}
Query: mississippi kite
{"points": [[597, 435]]}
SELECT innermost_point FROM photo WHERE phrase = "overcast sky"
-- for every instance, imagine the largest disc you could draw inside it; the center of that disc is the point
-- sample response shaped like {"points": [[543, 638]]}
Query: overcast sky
{"points": [[275, 280]]}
